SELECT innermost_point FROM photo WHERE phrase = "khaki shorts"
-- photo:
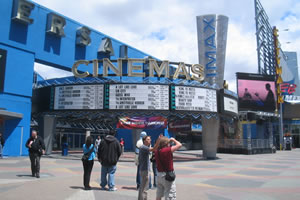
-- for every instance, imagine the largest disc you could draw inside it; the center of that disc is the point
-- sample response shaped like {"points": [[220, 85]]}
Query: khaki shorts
{"points": [[165, 188]]}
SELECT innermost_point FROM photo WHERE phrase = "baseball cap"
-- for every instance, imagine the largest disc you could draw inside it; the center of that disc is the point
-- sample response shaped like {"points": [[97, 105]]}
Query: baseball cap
{"points": [[143, 134]]}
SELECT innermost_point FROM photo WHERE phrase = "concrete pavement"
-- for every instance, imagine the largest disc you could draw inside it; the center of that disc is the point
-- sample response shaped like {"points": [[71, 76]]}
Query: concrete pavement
{"points": [[241, 177]]}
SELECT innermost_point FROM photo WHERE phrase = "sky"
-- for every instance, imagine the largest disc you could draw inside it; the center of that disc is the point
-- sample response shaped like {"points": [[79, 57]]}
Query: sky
{"points": [[166, 29]]}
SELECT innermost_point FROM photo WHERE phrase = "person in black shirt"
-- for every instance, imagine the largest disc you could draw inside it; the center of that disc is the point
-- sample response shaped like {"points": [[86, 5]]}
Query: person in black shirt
{"points": [[36, 147], [109, 153], [269, 101]]}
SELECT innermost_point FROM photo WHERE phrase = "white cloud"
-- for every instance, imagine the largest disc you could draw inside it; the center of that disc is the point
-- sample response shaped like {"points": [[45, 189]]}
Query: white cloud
{"points": [[49, 72], [241, 52]]}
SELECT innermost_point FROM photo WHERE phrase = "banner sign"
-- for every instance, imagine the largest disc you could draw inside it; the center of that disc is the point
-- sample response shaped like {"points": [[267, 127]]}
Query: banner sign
{"points": [[180, 126], [142, 123], [287, 88]]}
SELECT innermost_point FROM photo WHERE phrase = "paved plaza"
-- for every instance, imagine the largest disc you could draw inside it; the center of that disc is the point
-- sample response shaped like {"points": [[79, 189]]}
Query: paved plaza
{"points": [[241, 177]]}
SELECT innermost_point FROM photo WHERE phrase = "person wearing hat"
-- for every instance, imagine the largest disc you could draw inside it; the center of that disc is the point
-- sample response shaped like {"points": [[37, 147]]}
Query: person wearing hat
{"points": [[139, 143]]}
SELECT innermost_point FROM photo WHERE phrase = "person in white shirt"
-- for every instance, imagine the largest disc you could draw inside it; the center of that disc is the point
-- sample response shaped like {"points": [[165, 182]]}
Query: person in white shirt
{"points": [[139, 143], [97, 143]]}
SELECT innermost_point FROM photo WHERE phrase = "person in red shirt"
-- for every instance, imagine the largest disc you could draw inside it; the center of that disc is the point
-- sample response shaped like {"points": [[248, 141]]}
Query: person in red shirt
{"points": [[122, 143], [164, 162]]}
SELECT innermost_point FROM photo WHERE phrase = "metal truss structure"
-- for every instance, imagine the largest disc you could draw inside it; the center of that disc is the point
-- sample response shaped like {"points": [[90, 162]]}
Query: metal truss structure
{"points": [[265, 42]]}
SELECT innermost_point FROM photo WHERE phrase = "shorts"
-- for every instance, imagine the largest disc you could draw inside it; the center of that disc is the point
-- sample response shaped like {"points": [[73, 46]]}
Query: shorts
{"points": [[165, 188]]}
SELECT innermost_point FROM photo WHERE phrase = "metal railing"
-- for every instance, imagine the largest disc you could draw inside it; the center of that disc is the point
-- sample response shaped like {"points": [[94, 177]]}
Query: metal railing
{"points": [[244, 143]]}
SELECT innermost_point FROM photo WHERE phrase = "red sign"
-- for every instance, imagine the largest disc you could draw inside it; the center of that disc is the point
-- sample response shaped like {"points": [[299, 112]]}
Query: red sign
{"points": [[180, 126], [288, 88], [142, 123]]}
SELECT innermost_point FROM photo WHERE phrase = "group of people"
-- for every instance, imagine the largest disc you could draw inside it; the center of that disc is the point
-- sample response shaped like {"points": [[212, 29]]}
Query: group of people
{"points": [[108, 150]]}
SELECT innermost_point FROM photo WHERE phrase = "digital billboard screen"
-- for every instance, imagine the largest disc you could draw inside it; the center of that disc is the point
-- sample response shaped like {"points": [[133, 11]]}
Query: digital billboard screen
{"points": [[256, 92]]}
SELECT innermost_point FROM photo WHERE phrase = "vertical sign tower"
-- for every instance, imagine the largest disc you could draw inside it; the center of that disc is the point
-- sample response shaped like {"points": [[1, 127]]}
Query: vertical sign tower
{"points": [[212, 37]]}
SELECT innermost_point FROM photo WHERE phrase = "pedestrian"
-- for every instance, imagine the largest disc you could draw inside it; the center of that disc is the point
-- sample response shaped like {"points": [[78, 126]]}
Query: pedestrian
{"points": [[144, 163], [36, 147], [139, 143], [109, 153], [154, 169], [122, 143], [2, 142], [164, 161], [89, 151], [97, 143]]}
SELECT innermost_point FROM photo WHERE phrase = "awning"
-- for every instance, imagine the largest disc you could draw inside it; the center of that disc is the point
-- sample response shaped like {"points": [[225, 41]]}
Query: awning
{"points": [[10, 115]]}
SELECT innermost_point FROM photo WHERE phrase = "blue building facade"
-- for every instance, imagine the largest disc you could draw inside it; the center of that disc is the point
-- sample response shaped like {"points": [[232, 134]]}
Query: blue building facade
{"points": [[31, 33]]}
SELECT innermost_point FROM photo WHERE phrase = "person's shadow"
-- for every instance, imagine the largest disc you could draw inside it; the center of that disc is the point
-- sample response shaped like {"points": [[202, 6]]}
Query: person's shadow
{"points": [[82, 188], [129, 188], [23, 175]]}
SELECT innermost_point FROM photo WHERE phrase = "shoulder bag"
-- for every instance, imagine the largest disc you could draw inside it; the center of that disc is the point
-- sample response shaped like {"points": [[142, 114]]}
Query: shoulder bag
{"points": [[86, 156], [170, 175]]}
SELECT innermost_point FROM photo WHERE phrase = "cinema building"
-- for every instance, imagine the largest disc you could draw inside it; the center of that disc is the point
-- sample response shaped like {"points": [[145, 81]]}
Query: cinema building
{"points": [[114, 86]]}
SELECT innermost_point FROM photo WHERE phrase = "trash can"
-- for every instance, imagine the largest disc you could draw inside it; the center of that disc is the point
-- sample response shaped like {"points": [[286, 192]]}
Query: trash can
{"points": [[64, 150]]}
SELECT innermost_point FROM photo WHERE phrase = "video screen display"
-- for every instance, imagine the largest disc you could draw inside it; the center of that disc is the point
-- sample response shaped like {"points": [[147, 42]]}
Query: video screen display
{"points": [[256, 92]]}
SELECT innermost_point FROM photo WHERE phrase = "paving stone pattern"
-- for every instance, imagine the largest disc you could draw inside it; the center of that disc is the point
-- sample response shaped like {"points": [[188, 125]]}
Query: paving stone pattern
{"points": [[240, 177]]}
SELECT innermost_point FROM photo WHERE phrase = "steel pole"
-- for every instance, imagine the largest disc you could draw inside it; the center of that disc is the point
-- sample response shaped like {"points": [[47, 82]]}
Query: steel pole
{"points": [[281, 127]]}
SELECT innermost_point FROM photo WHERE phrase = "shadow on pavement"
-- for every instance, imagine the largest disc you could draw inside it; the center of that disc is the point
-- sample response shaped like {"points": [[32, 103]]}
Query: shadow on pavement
{"points": [[77, 187], [129, 188], [24, 175]]}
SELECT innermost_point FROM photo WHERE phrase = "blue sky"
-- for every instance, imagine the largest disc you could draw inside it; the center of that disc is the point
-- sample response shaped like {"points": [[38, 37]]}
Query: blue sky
{"points": [[171, 26]]}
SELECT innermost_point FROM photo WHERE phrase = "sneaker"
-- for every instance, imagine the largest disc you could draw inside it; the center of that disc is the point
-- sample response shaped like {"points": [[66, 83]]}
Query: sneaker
{"points": [[37, 175], [112, 189]]}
